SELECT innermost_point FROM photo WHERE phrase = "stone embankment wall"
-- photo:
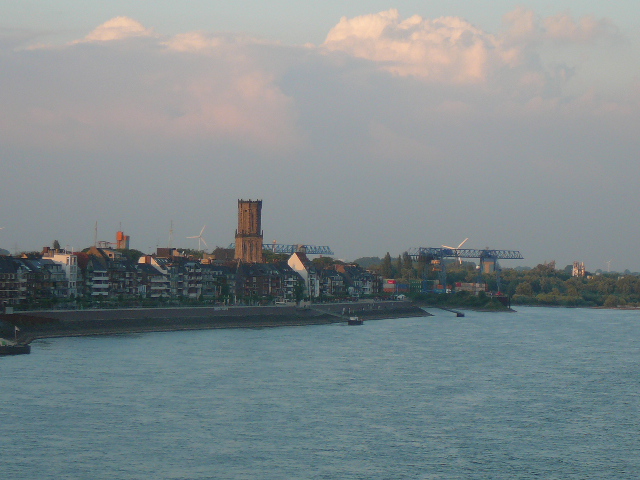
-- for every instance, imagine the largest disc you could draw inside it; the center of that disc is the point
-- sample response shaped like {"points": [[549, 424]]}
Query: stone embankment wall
{"points": [[373, 310], [48, 324]]}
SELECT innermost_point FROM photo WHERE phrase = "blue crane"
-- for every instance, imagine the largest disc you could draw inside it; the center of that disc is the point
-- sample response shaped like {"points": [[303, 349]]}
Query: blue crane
{"points": [[488, 258], [291, 249]]}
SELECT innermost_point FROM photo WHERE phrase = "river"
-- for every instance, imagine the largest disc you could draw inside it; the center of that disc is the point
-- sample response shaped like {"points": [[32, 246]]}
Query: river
{"points": [[540, 393]]}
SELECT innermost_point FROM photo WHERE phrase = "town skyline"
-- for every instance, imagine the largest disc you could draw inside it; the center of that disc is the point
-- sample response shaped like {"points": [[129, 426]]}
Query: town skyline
{"points": [[199, 239], [370, 128]]}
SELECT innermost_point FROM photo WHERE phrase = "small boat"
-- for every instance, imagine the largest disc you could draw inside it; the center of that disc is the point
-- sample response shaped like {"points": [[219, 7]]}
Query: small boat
{"points": [[354, 321], [11, 348]]}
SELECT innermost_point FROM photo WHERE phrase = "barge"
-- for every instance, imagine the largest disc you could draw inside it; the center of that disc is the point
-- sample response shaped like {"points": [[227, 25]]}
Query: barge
{"points": [[11, 348]]}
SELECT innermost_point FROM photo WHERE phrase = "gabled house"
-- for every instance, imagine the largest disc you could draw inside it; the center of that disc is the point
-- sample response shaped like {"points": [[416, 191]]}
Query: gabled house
{"points": [[108, 272], [192, 287], [301, 264], [69, 264], [218, 281], [360, 282], [258, 282], [291, 282], [10, 282], [49, 279], [332, 283], [96, 277], [152, 282]]}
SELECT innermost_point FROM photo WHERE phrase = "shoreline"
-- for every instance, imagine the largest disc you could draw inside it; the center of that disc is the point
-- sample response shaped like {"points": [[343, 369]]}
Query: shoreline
{"points": [[74, 323]]}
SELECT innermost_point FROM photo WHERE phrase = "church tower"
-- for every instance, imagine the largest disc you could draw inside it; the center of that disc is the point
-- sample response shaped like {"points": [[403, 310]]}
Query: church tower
{"points": [[249, 232]]}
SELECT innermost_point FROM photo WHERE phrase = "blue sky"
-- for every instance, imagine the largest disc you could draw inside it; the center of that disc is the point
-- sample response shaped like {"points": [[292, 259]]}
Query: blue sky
{"points": [[367, 126]]}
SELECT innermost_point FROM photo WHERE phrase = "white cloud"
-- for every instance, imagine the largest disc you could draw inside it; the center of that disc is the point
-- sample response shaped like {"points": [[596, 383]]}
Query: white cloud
{"points": [[118, 28], [192, 42], [189, 87], [444, 49], [389, 112], [450, 50]]}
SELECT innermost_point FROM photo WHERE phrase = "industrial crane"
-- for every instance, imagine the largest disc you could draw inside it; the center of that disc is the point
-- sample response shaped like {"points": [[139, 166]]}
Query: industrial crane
{"points": [[488, 258], [291, 249]]}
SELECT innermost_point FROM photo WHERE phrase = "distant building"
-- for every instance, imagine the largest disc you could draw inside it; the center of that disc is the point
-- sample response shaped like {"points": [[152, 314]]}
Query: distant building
{"points": [[359, 281], [12, 281], [301, 264], [69, 263], [122, 241], [578, 269], [474, 288], [249, 236]]}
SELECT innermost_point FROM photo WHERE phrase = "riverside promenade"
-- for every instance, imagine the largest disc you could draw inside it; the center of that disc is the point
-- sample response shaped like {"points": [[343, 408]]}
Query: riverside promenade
{"points": [[66, 323]]}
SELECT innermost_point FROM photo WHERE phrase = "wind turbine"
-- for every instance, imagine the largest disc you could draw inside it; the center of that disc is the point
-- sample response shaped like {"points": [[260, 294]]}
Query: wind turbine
{"points": [[455, 249], [200, 239]]}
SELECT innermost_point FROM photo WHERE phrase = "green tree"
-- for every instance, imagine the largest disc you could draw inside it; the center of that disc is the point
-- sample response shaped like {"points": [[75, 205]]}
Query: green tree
{"points": [[131, 254], [270, 257], [324, 262], [524, 288], [368, 262], [56, 245], [298, 290], [386, 270], [611, 301], [398, 267], [407, 266]]}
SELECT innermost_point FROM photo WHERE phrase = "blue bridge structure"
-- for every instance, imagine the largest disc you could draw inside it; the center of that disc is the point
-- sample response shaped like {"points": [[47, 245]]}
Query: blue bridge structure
{"points": [[488, 258]]}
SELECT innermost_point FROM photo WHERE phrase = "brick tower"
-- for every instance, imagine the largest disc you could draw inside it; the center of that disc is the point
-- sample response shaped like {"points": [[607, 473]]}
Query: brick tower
{"points": [[249, 232]]}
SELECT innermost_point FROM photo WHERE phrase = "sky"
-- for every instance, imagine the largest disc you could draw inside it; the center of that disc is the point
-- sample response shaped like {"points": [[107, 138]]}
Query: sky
{"points": [[370, 127]]}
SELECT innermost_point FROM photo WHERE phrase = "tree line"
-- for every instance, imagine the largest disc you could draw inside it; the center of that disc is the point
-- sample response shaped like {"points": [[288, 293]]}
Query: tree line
{"points": [[541, 285]]}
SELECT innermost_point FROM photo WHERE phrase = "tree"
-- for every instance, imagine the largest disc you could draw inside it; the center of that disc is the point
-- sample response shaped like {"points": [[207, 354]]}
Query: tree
{"points": [[611, 301], [407, 266], [131, 254], [422, 265], [298, 290], [56, 245], [324, 262], [270, 257], [398, 267], [368, 262], [386, 271]]}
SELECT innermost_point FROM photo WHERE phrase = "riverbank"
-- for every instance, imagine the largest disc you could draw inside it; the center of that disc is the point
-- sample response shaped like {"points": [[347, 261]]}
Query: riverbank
{"points": [[50, 324]]}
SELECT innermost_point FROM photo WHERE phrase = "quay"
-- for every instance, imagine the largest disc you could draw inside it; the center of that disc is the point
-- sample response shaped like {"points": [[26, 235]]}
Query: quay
{"points": [[67, 323]]}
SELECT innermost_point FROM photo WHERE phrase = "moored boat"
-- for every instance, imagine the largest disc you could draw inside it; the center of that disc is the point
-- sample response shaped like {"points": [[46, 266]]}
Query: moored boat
{"points": [[354, 321], [11, 348]]}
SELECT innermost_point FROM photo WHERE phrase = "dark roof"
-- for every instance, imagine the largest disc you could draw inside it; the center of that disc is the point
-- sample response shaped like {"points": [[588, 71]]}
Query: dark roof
{"points": [[148, 269], [303, 258], [8, 264]]}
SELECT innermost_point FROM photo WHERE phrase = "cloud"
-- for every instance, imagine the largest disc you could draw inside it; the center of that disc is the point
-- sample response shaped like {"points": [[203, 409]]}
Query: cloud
{"points": [[181, 88], [236, 90], [444, 49], [192, 42], [388, 113], [450, 50], [563, 27], [118, 28], [524, 26]]}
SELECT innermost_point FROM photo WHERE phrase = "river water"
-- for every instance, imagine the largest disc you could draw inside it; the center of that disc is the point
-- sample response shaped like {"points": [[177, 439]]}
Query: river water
{"points": [[541, 393]]}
